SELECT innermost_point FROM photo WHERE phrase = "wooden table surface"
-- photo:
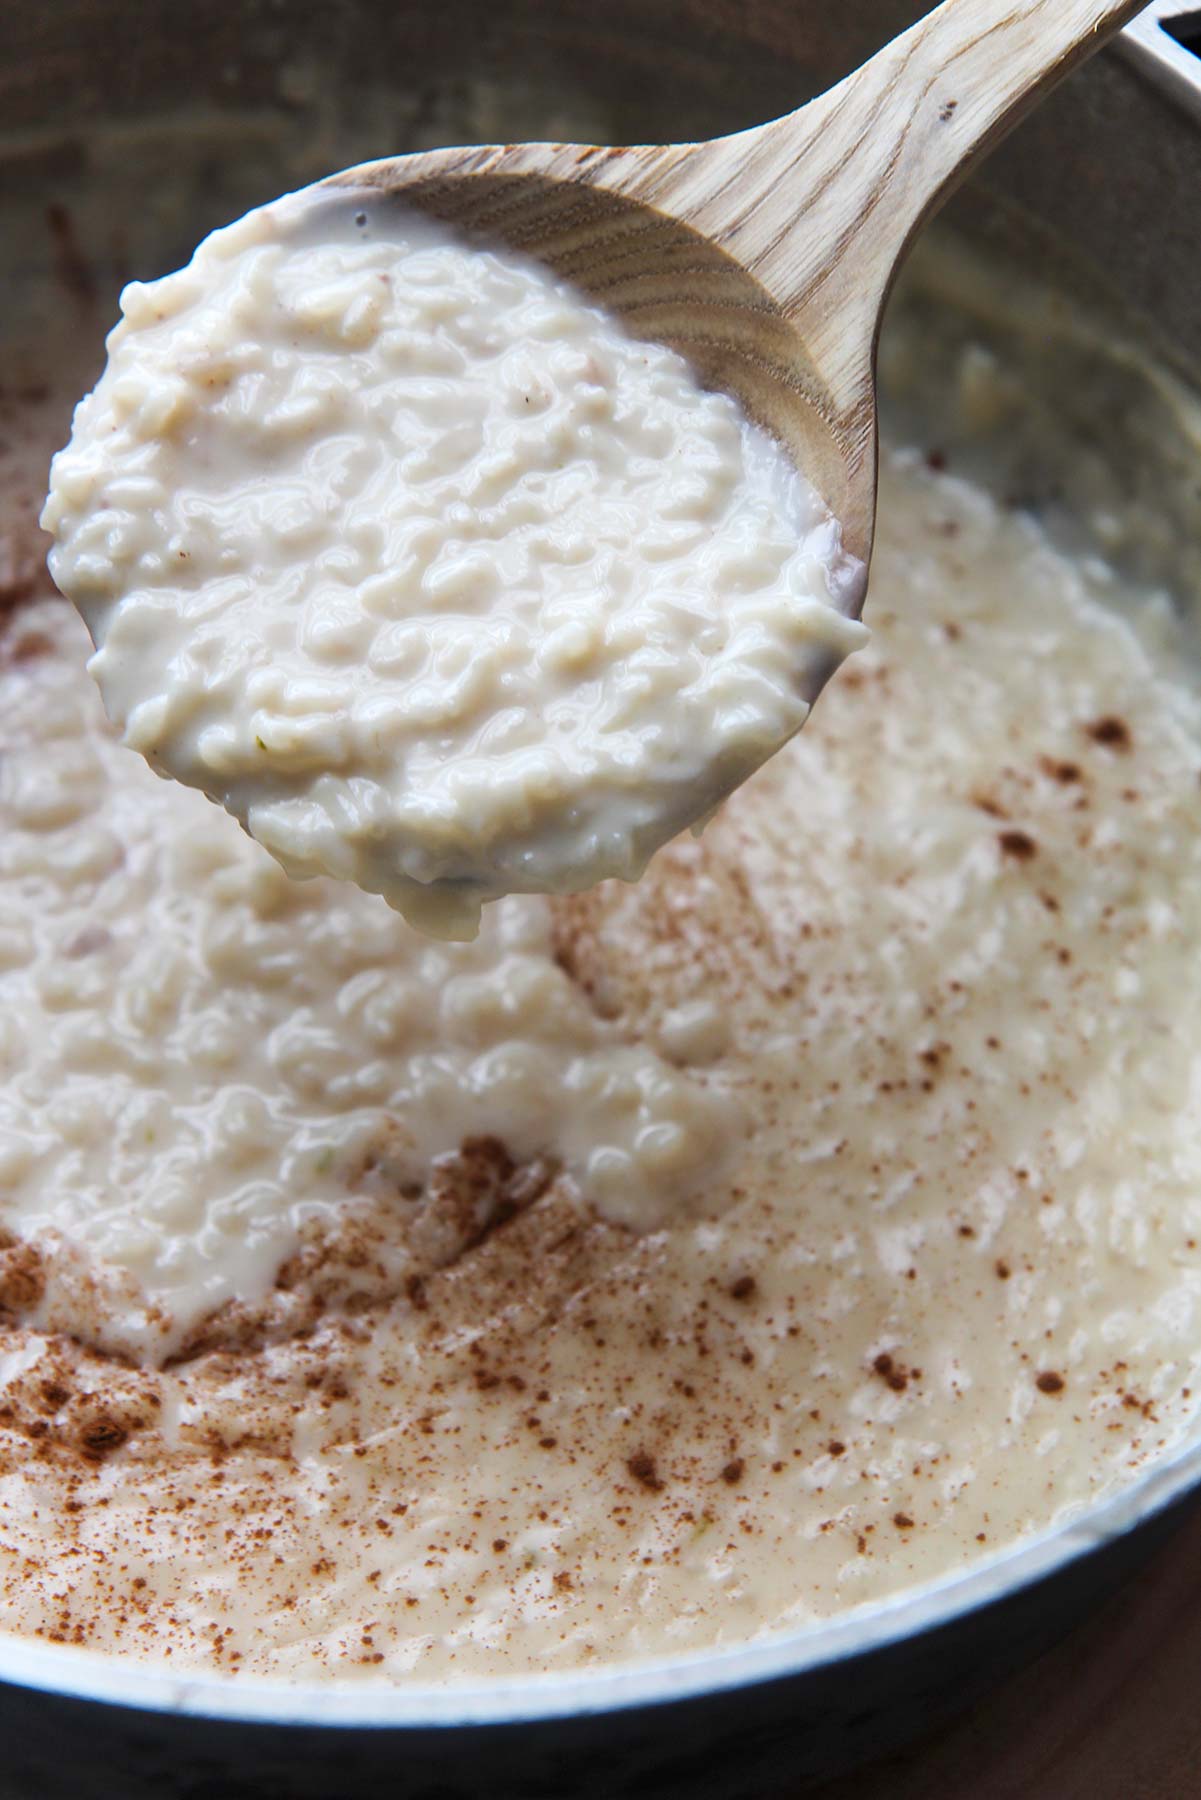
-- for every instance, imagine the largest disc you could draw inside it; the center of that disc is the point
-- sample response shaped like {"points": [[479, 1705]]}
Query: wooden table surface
{"points": [[1112, 1713]]}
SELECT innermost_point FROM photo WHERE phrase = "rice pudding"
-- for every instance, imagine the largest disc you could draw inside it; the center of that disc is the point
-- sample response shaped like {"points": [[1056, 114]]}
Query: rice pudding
{"points": [[412, 558], [926, 987]]}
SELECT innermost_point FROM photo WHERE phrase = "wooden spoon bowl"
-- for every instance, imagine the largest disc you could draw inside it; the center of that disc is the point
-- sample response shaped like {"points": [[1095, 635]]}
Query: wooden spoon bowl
{"points": [[766, 257]]}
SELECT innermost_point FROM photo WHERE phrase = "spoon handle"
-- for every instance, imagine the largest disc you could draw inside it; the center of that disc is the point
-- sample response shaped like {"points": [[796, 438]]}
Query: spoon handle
{"points": [[835, 191]]}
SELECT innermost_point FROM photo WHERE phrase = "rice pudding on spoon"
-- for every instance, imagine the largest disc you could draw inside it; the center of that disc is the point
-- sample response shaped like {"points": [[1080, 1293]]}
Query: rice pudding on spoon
{"points": [[432, 575], [331, 523]]}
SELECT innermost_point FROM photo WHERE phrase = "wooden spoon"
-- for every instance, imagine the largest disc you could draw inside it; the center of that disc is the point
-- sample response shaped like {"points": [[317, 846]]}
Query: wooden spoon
{"points": [[766, 257]]}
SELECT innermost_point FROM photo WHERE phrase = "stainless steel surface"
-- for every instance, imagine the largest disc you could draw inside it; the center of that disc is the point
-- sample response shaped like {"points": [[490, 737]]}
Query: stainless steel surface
{"points": [[1100, 186], [1153, 46]]}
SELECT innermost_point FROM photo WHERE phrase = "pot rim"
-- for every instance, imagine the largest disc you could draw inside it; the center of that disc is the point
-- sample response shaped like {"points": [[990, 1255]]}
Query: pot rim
{"points": [[379, 1703]]}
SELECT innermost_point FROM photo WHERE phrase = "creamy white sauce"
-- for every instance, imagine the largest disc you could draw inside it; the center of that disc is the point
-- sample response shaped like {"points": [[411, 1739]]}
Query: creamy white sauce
{"points": [[945, 1292], [436, 579], [201, 1057]]}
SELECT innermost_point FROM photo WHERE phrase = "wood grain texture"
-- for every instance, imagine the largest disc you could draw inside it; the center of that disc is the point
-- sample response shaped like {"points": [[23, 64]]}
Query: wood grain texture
{"points": [[766, 257], [1112, 1713]]}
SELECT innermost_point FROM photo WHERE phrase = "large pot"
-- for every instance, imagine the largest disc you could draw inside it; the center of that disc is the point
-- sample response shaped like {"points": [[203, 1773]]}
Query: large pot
{"points": [[127, 131]]}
